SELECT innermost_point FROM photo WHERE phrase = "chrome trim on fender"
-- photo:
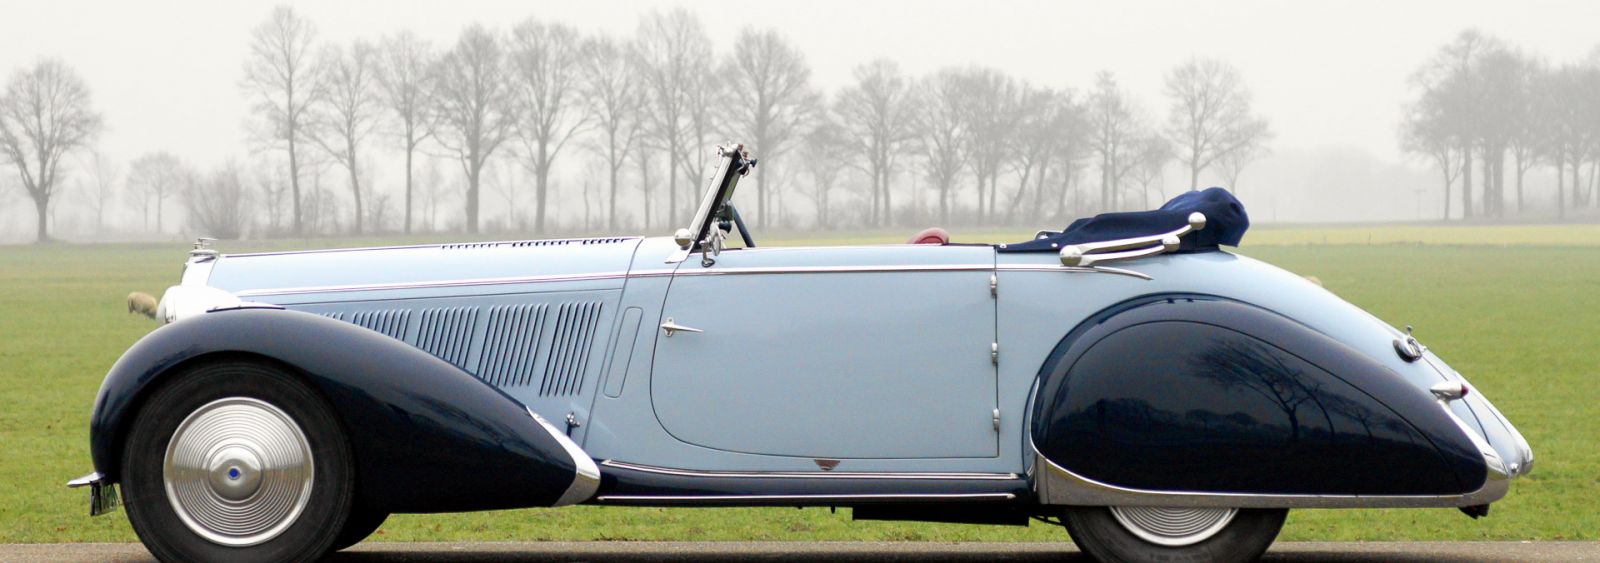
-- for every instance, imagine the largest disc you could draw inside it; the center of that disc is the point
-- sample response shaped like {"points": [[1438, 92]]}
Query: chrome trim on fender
{"points": [[807, 474], [805, 498], [586, 475], [580, 241], [1057, 485]]}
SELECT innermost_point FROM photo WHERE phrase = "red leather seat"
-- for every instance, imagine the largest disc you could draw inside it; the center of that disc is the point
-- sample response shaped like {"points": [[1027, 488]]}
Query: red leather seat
{"points": [[931, 235]]}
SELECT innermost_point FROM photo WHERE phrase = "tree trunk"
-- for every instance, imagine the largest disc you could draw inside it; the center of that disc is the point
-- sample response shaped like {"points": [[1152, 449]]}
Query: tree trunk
{"points": [[1466, 182], [42, 204], [355, 189], [542, 185], [473, 176], [611, 207], [1561, 188], [294, 179], [410, 147]]}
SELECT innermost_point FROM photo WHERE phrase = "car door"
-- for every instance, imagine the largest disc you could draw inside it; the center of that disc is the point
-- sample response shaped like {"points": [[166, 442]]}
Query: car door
{"points": [[832, 352]]}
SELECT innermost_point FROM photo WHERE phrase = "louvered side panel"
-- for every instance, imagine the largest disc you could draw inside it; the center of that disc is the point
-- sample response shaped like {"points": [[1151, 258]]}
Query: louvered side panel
{"points": [[391, 322], [574, 328], [511, 344], [446, 332]]}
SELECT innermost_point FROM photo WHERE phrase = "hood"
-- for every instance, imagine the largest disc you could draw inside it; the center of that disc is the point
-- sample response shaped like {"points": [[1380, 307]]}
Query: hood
{"points": [[321, 271]]}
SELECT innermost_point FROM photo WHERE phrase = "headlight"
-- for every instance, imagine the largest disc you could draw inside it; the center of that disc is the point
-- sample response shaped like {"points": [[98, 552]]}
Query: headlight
{"points": [[184, 301]]}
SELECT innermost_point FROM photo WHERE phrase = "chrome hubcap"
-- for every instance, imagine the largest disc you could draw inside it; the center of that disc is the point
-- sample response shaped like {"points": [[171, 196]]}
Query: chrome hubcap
{"points": [[238, 471], [1173, 527]]}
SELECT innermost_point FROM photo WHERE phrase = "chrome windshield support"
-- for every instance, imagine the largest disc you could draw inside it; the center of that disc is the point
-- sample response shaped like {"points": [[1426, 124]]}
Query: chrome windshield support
{"points": [[1091, 253], [733, 162]]}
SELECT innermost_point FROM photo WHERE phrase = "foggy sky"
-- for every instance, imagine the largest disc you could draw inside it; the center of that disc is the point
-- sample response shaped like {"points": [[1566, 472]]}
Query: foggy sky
{"points": [[1329, 76]]}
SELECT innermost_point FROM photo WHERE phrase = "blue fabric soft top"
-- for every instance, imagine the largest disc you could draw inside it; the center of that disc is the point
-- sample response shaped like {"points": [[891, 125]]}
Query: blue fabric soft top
{"points": [[1226, 223]]}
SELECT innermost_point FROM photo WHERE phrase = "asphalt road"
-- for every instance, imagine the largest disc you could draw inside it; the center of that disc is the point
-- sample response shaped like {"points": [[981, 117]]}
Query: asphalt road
{"points": [[1401, 552]]}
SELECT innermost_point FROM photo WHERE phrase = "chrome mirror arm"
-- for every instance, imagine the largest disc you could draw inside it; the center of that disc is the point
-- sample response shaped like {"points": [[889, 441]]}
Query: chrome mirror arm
{"points": [[1090, 253]]}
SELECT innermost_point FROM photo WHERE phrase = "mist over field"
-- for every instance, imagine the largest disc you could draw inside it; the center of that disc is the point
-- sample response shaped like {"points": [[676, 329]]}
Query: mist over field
{"points": [[144, 121]]}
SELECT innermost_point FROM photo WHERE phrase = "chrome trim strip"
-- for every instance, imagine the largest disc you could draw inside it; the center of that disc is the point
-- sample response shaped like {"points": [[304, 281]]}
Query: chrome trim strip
{"points": [[417, 246], [844, 498], [431, 285], [652, 273], [1075, 269], [808, 474], [586, 475]]}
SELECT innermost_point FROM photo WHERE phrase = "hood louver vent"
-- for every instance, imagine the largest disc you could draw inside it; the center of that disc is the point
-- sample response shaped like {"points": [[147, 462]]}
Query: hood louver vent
{"points": [[391, 323], [511, 344], [532, 243], [573, 328], [447, 333]]}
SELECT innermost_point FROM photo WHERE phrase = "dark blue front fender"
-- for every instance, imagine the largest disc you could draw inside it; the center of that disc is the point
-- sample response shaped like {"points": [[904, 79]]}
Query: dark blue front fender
{"points": [[427, 436]]}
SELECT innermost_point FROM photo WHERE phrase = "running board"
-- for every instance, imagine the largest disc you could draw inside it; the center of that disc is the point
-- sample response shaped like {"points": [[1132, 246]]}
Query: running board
{"points": [[644, 485]]}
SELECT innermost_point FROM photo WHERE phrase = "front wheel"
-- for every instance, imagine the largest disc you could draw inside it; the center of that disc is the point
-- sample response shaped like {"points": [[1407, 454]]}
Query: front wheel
{"points": [[237, 462], [1135, 534]]}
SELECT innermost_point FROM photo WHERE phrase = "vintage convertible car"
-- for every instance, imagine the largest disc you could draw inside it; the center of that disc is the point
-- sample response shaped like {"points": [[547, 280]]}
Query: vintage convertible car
{"points": [[1175, 405]]}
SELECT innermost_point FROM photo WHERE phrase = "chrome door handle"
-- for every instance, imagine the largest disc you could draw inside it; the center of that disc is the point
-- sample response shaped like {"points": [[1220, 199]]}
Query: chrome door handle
{"points": [[670, 328]]}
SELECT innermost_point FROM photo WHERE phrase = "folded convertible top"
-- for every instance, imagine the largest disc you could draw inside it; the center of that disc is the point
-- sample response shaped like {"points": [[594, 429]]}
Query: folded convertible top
{"points": [[1226, 223]]}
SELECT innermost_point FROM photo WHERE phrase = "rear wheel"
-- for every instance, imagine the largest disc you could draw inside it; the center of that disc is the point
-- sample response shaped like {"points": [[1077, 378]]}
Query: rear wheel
{"points": [[237, 462], [1135, 534]]}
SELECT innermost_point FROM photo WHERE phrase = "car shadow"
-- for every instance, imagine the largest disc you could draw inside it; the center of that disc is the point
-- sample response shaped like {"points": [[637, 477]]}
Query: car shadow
{"points": [[736, 554]]}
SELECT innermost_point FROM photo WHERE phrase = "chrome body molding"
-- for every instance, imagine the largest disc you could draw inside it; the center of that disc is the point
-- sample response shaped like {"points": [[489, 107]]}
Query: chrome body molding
{"points": [[841, 499], [807, 474], [586, 476], [654, 273], [1056, 485], [474, 244]]}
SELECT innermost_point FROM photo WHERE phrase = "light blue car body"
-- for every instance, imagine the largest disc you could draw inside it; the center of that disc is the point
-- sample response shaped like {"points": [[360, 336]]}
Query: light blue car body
{"points": [[885, 358]]}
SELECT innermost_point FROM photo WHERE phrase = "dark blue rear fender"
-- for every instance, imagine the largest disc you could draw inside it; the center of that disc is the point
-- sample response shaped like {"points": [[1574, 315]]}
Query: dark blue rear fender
{"points": [[1203, 394], [427, 436]]}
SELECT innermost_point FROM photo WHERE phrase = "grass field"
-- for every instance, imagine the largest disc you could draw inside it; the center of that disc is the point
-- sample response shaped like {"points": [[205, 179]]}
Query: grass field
{"points": [[1515, 308]]}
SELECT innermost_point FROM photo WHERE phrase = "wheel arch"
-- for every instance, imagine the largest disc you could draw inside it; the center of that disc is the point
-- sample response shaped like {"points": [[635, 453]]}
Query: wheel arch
{"points": [[413, 421], [1121, 419]]}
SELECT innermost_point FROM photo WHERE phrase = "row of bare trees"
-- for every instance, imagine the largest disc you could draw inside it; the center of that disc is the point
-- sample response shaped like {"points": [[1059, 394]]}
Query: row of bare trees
{"points": [[1482, 103], [544, 97]]}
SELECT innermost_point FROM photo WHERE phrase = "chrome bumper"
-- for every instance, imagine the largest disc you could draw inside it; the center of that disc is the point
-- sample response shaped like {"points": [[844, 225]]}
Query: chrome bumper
{"points": [[102, 495]]}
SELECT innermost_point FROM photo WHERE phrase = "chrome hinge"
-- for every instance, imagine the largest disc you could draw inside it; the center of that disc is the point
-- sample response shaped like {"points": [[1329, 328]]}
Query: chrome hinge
{"points": [[994, 285], [572, 422], [997, 420], [994, 353]]}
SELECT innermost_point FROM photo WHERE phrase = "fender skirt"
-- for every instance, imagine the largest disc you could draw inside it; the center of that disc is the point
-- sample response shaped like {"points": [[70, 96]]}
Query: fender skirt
{"points": [[1200, 394], [426, 436]]}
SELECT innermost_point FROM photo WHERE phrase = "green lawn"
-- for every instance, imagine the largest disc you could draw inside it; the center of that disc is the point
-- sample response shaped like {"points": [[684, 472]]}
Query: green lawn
{"points": [[1520, 320]]}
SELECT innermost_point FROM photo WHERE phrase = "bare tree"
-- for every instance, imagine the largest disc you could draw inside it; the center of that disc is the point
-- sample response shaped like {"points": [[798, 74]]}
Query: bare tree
{"points": [[943, 133], [1210, 115], [218, 202], [403, 75], [991, 114], [1114, 127], [160, 175], [283, 74], [348, 112], [103, 187], [879, 113], [770, 83], [547, 62], [476, 106], [1233, 163], [1035, 137], [822, 149], [1149, 157], [614, 93], [672, 50], [45, 113]]}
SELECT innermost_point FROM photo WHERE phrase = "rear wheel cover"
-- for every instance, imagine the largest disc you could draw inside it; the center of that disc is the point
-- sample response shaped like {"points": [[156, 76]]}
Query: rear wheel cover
{"points": [[1173, 527]]}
